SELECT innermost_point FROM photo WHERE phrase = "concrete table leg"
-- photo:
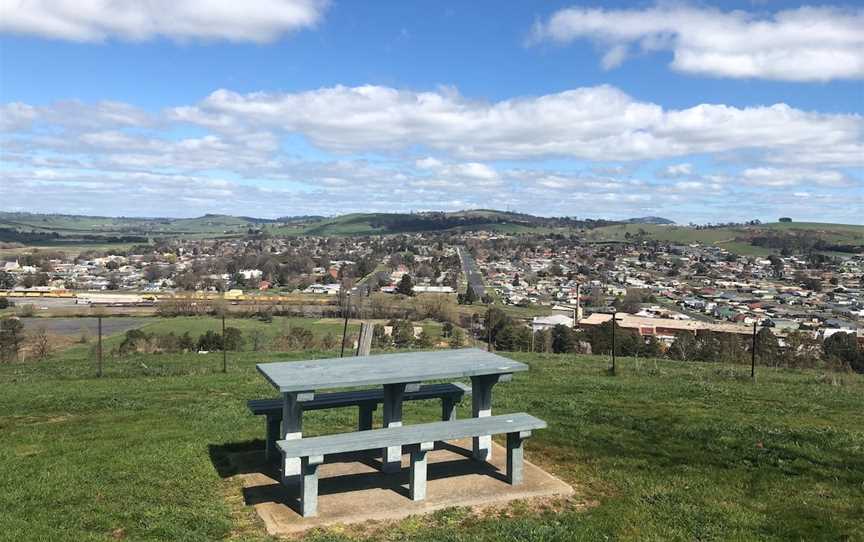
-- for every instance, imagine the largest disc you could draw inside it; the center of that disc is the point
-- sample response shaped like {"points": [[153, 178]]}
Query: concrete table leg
{"points": [[271, 452], [448, 409], [417, 485], [292, 428], [309, 485], [365, 419], [391, 457], [515, 457], [481, 407]]}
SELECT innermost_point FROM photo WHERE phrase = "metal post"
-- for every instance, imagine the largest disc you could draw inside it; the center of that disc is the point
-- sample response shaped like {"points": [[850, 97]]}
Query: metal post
{"points": [[489, 329], [753, 355], [346, 311], [224, 347], [99, 349]]}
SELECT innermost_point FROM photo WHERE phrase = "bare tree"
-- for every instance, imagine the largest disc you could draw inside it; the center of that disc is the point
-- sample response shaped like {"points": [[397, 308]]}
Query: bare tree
{"points": [[41, 342]]}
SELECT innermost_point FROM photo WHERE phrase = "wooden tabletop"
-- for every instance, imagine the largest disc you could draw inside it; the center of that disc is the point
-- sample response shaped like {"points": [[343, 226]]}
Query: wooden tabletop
{"points": [[295, 376]]}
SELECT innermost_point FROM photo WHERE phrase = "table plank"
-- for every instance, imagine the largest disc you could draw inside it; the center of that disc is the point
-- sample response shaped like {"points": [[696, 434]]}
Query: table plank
{"points": [[295, 376]]}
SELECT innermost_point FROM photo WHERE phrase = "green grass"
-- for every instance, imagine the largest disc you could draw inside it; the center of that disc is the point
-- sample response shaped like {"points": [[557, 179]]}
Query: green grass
{"points": [[664, 451]]}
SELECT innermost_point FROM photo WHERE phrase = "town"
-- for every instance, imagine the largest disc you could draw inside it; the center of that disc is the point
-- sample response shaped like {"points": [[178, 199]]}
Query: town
{"points": [[658, 291]]}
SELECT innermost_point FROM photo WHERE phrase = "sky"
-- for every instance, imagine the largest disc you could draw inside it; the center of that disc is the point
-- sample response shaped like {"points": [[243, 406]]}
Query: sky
{"points": [[698, 112]]}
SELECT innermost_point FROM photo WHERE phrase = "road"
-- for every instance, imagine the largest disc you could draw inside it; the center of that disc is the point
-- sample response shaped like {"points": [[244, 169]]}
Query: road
{"points": [[472, 274], [76, 326]]}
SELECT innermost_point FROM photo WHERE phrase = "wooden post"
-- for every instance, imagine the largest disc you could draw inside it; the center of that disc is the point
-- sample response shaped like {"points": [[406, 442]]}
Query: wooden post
{"points": [[224, 347], [99, 348], [364, 344], [753, 355]]}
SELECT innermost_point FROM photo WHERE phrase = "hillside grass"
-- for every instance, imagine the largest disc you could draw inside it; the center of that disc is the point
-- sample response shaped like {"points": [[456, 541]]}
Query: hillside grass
{"points": [[663, 451], [731, 239]]}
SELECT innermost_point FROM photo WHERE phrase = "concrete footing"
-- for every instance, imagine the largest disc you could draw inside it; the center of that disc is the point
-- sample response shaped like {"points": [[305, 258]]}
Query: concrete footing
{"points": [[352, 489]]}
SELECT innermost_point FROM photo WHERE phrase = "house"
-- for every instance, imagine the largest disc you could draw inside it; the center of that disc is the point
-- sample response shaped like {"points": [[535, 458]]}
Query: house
{"points": [[540, 323]]}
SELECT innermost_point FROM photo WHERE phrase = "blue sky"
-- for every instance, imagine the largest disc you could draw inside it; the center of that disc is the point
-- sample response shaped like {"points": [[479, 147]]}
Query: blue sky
{"points": [[698, 112]]}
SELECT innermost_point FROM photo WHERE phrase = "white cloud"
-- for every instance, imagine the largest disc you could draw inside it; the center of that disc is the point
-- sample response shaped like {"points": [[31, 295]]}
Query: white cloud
{"points": [[594, 123], [137, 20], [781, 177], [804, 44], [677, 170], [439, 153]]}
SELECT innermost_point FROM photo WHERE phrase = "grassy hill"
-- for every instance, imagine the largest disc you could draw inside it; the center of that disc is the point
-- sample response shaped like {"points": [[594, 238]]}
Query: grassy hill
{"points": [[59, 229], [664, 451], [735, 239], [763, 239]]}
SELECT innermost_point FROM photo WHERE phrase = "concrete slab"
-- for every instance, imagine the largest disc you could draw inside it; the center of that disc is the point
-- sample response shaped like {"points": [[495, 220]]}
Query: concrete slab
{"points": [[353, 490]]}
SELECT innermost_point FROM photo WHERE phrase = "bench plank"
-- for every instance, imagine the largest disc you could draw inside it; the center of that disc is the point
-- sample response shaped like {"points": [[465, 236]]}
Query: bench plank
{"points": [[410, 434]]}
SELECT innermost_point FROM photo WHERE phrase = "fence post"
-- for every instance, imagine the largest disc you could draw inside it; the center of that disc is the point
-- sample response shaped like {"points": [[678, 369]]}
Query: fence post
{"points": [[224, 347], [99, 348], [753, 355], [346, 309], [364, 344]]}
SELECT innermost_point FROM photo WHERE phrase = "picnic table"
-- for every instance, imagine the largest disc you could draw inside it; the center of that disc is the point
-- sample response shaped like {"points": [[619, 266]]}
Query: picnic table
{"points": [[400, 374]]}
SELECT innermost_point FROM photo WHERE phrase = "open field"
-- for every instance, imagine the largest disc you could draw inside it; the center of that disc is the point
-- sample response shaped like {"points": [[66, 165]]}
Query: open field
{"points": [[732, 239], [72, 249], [664, 451]]}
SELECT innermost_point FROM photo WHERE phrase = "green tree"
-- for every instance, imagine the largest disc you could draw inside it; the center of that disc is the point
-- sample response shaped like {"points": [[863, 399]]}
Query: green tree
{"points": [[405, 286], [185, 343], [11, 336], [494, 322], [457, 338], [233, 340], [403, 333], [7, 280], [425, 340], [843, 347], [562, 339], [767, 347], [380, 338], [685, 347], [469, 297], [210, 341]]}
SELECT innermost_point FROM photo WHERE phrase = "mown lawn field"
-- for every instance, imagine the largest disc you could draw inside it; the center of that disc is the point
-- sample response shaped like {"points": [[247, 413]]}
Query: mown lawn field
{"points": [[663, 451]]}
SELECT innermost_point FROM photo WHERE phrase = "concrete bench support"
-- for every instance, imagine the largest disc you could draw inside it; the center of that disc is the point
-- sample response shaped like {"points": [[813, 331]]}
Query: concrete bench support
{"points": [[481, 407], [309, 485], [515, 457], [417, 484], [367, 402], [391, 457], [364, 421], [420, 438], [292, 429]]}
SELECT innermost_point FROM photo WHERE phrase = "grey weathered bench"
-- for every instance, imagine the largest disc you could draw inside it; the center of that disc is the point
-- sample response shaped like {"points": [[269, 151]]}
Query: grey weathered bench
{"points": [[312, 450], [366, 400]]}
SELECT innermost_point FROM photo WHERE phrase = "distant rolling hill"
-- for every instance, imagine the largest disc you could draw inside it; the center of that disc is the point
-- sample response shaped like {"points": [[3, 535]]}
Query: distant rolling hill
{"points": [[756, 239], [649, 220], [797, 237]]}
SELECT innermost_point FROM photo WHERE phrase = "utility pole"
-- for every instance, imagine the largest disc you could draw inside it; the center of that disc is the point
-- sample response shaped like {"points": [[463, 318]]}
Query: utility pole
{"points": [[576, 317], [224, 347], [99, 348], [753, 355], [346, 311]]}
